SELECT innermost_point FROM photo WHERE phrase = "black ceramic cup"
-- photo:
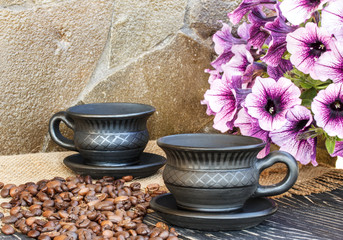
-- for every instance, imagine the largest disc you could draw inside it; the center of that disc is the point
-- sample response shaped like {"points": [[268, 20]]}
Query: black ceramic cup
{"points": [[219, 172], [105, 134]]}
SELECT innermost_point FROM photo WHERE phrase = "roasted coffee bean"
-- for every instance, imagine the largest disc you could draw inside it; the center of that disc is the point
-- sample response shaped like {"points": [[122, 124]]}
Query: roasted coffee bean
{"points": [[44, 237], [135, 186], [127, 178], [6, 205], [1, 215], [29, 221], [9, 186], [82, 223], [1, 185], [42, 196], [9, 219], [24, 228], [33, 233], [7, 229], [15, 210]]}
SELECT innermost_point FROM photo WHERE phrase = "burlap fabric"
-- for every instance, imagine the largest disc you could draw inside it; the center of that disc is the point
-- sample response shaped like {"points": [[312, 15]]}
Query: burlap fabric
{"points": [[19, 169]]}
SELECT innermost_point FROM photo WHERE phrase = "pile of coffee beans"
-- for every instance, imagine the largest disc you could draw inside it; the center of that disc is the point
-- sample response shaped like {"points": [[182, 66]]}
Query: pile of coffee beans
{"points": [[81, 208]]}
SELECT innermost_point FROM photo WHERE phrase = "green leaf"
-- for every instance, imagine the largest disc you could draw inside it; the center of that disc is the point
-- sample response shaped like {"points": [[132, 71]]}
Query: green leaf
{"points": [[330, 144], [307, 96]]}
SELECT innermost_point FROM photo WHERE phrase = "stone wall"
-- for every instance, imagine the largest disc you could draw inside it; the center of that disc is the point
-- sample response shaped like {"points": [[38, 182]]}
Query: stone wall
{"points": [[58, 53]]}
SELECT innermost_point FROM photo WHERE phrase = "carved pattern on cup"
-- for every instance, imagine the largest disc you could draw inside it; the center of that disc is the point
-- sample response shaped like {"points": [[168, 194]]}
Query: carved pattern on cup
{"points": [[119, 141], [210, 179]]}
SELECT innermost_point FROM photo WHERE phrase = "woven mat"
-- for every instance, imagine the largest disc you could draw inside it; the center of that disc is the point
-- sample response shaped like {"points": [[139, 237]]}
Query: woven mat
{"points": [[20, 169]]}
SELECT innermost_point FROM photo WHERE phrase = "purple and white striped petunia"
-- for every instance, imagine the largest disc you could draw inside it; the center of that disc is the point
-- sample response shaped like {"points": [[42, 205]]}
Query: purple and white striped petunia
{"points": [[258, 35], [249, 126], [307, 46], [224, 99], [332, 19], [289, 136], [223, 42], [246, 6], [240, 61], [278, 72], [327, 108], [278, 30], [338, 149], [330, 64], [298, 11], [270, 100]]}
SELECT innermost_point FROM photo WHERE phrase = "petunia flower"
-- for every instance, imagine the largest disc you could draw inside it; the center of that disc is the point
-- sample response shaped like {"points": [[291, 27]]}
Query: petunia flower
{"points": [[270, 100], [214, 76], [258, 35], [307, 46], [338, 149], [224, 98], [223, 42], [297, 11], [240, 61], [249, 126], [288, 137], [330, 64], [278, 30], [246, 6], [221, 60], [327, 108], [278, 72], [332, 19]]}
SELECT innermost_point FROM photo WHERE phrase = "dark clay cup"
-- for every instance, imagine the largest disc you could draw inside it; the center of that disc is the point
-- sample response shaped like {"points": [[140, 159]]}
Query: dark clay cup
{"points": [[105, 134], [219, 172]]}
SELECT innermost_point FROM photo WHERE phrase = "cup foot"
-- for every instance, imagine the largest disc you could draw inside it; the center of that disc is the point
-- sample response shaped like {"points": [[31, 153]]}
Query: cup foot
{"points": [[111, 158]]}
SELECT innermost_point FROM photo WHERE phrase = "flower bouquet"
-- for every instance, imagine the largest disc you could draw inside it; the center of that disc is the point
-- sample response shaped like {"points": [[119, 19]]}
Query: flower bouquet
{"points": [[279, 75]]}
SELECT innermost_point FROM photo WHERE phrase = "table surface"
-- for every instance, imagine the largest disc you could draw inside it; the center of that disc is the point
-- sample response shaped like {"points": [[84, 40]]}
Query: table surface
{"points": [[317, 216]]}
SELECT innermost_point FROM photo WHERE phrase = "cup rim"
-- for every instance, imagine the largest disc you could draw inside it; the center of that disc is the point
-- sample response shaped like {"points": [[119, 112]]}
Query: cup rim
{"points": [[110, 110], [169, 142]]}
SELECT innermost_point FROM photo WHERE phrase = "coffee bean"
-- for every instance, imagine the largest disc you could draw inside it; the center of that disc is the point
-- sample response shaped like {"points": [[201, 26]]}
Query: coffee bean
{"points": [[1, 215], [127, 178], [1, 185], [6, 205], [107, 234], [135, 186], [9, 186], [44, 237], [9, 219], [172, 238], [33, 233], [82, 223], [7, 229], [24, 228], [29, 221], [164, 234]]}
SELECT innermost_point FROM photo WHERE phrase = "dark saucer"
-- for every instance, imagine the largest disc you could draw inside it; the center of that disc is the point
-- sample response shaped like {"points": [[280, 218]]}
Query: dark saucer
{"points": [[253, 213], [148, 164]]}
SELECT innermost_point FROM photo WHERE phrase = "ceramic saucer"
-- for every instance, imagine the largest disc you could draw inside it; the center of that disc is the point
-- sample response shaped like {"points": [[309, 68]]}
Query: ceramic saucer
{"points": [[148, 164], [253, 213]]}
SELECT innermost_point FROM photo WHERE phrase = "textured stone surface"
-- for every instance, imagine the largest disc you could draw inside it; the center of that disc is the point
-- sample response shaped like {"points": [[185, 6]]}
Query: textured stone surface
{"points": [[205, 15], [47, 55], [139, 25], [171, 79]]}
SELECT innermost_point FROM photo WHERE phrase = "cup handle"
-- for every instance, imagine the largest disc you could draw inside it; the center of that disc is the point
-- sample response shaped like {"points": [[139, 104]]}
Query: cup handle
{"points": [[286, 183], [55, 133]]}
